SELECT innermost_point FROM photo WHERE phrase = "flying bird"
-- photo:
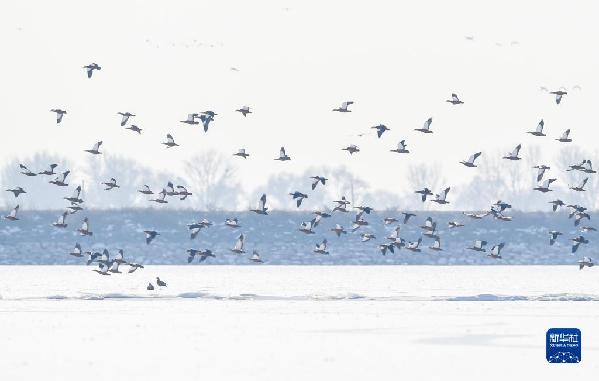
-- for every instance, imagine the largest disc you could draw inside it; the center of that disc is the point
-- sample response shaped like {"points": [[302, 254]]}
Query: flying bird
{"points": [[556, 204], [95, 149], [436, 245], [478, 246], [544, 187], [12, 216], [77, 251], [539, 130], [476, 216], [242, 153], [402, 147], [318, 179], [454, 100], [299, 197], [454, 224], [558, 95], [49, 171], [170, 142], [245, 110], [183, 192], [256, 257], [125, 117], [587, 167], [577, 241], [426, 128], [61, 179], [111, 184], [384, 247], [541, 171], [150, 235], [26, 171], [206, 119], [389, 220], [585, 261], [134, 266], [84, 230], [59, 114], [239, 244], [514, 154], [338, 229], [307, 226], [191, 119], [16, 191], [145, 190], [441, 197], [424, 193], [406, 216], [321, 248], [565, 137], [232, 223], [471, 159], [344, 107], [380, 129], [495, 252], [367, 237], [90, 68], [352, 148], [102, 267], [61, 222], [202, 254], [553, 234], [282, 155], [134, 128], [161, 197], [261, 209], [580, 188], [414, 245]]}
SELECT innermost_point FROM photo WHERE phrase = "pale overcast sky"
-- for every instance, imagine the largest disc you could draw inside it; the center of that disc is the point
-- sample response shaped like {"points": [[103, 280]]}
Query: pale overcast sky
{"points": [[398, 61]]}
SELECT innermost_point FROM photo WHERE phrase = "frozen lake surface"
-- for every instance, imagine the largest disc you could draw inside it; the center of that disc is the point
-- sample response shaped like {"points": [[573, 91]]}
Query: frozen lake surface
{"points": [[32, 240], [295, 322]]}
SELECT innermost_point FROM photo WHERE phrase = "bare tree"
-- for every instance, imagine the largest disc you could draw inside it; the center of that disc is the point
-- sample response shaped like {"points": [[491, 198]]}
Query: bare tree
{"points": [[211, 176]]}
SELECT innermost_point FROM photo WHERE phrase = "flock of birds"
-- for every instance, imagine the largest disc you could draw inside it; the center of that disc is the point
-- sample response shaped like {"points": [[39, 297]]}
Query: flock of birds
{"points": [[107, 265]]}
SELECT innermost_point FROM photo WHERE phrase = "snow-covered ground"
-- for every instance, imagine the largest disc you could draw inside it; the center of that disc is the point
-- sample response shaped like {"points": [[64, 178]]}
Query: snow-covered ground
{"points": [[295, 322]]}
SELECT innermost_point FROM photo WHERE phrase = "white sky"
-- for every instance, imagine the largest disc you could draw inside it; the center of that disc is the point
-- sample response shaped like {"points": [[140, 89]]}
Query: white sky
{"points": [[297, 60]]}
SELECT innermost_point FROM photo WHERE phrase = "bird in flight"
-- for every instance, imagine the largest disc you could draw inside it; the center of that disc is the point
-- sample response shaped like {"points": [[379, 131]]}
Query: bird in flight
{"points": [[558, 95], [454, 100], [59, 114], [245, 110], [426, 128], [261, 209], [402, 147], [380, 129], [150, 235], [344, 107], [12, 216], [539, 130], [170, 142], [352, 148], [125, 117], [471, 159], [241, 153], [282, 155], [318, 179], [514, 154], [90, 69], [26, 171], [95, 149]]}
